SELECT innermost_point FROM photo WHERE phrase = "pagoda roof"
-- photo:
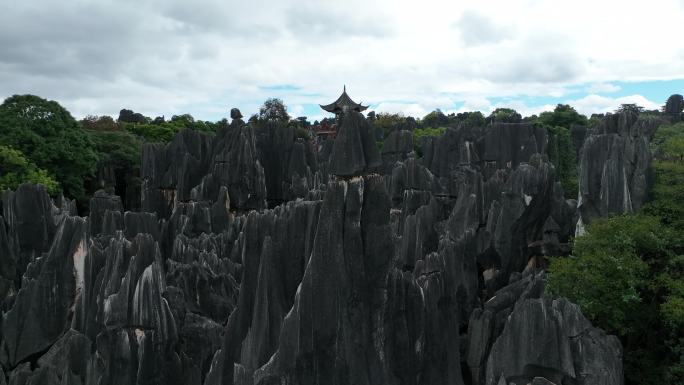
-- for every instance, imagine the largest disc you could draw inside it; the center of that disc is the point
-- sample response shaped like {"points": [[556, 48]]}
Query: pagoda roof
{"points": [[338, 105]]}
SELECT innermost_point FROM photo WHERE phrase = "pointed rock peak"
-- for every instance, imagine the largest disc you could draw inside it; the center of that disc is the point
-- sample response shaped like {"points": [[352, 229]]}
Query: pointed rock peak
{"points": [[354, 151]]}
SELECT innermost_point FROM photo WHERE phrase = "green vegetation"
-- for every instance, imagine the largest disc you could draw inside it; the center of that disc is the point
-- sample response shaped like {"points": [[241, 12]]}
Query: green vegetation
{"points": [[43, 143], [504, 115], [562, 150], [562, 116], [162, 131], [386, 122], [562, 154], [435, 118], [49, 137], [113, 145], [273, 109], [15, 169], [627, 272], [419, 134]]}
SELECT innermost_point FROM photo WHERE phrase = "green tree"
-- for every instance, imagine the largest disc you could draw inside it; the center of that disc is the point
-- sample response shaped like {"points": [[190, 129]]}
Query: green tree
{"points": [[274, 109], [562, 116], [504, 115], [629, 107], [116, 147], [50, 137], [99, 123], [471, 119], [608, 269], [434, 119], [667, 192], [15, 169], [627, 272], [385, 122], [162, 131]]}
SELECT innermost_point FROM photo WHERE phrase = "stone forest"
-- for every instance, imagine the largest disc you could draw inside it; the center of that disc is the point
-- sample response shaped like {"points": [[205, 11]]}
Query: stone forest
{"points": [[256, 254]]}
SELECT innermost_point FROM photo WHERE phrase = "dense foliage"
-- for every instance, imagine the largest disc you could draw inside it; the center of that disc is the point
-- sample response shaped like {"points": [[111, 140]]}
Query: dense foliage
{"points": [[504, 115], [162, 131], [562, 152], [384, 123], [562, 115], [50, 138], [421, 133], [113, 145], [275, 110], [43, 143], [15, 169], [627, 272], [562, 155]]}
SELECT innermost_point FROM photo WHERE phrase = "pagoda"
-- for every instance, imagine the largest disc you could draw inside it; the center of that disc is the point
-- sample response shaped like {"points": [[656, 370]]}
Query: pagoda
{"points": [[337, 107]]}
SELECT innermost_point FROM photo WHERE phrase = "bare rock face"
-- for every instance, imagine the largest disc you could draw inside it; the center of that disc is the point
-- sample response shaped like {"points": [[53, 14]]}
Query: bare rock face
{"points": [[195, 166], [522, 336], [328, 335], [396, 147], [289, 162], [52, 284], [366, 270], [552, 339], [32, 220], [354, 151], [614, 163]]}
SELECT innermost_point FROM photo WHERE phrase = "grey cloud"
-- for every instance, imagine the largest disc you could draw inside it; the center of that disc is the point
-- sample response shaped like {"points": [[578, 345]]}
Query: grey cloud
{"points": [[477, 29], [229, 19], [71, 40], [540, 57], [322, 20]]}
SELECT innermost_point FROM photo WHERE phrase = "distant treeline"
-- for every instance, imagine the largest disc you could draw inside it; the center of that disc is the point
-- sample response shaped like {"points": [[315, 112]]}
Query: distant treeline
{"points": [[40, 141]]}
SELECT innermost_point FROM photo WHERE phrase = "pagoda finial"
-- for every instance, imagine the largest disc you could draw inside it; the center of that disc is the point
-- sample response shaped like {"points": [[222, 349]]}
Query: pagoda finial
{"points": [[344, 88]]}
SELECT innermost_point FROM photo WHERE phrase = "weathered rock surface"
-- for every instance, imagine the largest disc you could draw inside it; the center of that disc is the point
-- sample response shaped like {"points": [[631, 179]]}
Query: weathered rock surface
{"points": [[50, 287], [289, 162], [520, 335], [367, 269], [396, 147], [614, 165], [195, 166], [329, 334], [354, 151], [552, 339]]}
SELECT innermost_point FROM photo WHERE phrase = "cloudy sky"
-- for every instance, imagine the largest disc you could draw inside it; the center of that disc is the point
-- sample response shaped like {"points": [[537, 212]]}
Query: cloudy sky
{"points": [[164, 57]]}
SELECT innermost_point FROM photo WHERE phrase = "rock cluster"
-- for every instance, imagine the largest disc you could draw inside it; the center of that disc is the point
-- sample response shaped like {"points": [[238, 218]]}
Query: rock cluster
{"points": [[368, 269], [614, 164]]}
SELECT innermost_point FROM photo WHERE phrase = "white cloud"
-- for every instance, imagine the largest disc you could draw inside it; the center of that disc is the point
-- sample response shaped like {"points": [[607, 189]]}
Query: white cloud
{"points": [[408, 109], [477, 29], [295, 110], [596, 104], [602, 88]]}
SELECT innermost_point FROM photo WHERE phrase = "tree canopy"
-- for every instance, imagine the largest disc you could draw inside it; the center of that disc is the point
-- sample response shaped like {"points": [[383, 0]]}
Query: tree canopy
{"points": [[15, 170], [504, 115], [627, 272], [274, 109], [562, 116], [435, 118], [51, 138]]}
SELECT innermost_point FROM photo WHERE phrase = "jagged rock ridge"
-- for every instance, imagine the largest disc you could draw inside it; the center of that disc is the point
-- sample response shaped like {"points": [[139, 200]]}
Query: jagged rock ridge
{"points": [[374, 269]]}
